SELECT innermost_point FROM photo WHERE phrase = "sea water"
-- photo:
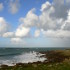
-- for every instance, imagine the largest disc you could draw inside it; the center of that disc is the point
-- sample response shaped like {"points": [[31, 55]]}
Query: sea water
{"points": [[11, 56]]}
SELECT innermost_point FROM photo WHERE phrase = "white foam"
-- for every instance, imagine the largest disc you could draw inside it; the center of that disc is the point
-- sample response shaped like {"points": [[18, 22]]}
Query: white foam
{"points": [[25, 58]]}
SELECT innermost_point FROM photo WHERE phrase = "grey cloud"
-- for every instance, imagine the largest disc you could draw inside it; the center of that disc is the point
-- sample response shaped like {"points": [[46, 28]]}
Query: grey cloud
{"points": [[1, 6], [14, 6], [61, 9]]}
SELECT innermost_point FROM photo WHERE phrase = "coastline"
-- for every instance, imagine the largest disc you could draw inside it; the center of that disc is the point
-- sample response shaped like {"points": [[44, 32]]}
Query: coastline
{"points": [[55, 59]]}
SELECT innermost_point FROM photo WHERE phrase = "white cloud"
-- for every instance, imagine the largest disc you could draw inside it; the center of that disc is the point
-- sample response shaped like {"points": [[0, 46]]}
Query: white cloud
{"points": [[16, 40], [66, 24], [3, 26], [30, 20], [68, 15], [45, 6], [22, 31], [45, 21], [54, 21], [1, 6], [9, 34], [57, 33], [37, 33], [14, 6], [59, 20]]}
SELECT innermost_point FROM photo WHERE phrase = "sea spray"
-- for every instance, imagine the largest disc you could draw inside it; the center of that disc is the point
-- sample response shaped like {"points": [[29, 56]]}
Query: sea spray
{"points": [[28, 57]]}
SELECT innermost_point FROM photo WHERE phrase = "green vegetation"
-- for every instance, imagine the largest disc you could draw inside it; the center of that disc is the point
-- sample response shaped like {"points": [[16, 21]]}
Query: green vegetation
{"points": [[54, 66], [57, 60]]}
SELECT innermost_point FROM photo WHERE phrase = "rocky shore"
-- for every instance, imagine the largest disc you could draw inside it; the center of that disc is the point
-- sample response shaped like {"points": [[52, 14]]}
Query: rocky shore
{"points": [[55, 60]]}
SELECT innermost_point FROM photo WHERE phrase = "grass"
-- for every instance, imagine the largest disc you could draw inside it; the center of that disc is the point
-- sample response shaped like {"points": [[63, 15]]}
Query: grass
{"points": [[52, 66]]}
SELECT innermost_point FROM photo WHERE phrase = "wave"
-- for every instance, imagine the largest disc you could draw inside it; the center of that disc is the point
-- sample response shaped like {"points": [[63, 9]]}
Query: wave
{"points": [[24, 58]]}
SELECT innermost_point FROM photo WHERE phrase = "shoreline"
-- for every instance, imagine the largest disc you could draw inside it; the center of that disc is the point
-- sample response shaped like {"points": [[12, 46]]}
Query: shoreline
{"points": [[56, 57]]}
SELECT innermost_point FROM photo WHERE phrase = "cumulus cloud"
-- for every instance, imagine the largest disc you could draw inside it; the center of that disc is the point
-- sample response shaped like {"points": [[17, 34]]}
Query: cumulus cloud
{"points": [[1, 6], [22, 31], [37, 33], [45, 6], [54, 21], [30, 20], [17, 41], [63, 32], [61, 9], [9, 34], [3, 26], [54, 17], [45, 21], [57, 34], [14, 6], [66, 25], [59, 17]]}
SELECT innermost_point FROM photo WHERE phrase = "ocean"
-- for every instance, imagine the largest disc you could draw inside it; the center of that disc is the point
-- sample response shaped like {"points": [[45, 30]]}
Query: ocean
{"points": [[11, 56]]}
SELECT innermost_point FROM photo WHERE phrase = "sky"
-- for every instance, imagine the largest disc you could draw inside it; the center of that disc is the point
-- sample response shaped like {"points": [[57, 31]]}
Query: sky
{"points": [[34, 23]]}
